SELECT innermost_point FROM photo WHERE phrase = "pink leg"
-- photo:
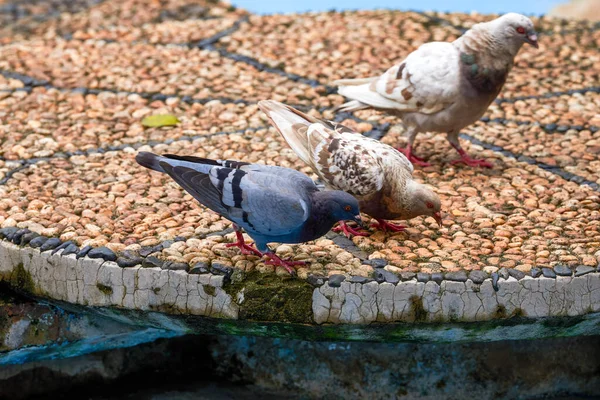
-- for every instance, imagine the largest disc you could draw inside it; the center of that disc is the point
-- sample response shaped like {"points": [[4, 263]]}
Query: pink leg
{"points": [[413, 158], [465, 159], [387, 226], [348, 230], [245, 248], [287, 264]]}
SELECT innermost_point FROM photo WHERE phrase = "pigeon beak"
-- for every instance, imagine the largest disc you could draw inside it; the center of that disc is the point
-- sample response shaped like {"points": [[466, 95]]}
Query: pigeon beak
{"points": [[359, 221], [438, 217], [532, 39]]}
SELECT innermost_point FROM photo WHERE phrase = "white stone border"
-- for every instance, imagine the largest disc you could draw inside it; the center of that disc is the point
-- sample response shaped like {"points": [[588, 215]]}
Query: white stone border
{"points": [[80, 281], [411, 301], [95, 282]]}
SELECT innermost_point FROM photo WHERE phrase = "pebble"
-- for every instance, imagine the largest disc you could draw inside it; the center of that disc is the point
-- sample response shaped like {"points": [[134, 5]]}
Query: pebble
{"points": [[146, 251], [548, 273], [70, 249], [437, 277], [152, 262], [38, 241], [503, 273], [515, 273], [458, 276], [358, 279], [221, 269], [102, 252], [381, 275], [583, 270], [6, 232], [84, 252], [175, 266], [495, 279], [62, 246], [336, 280], [200, 268], [125, 262], [423, 277], [376, 262], [16, 237], [50, 244], [316, 280], [477, 276], [28, 237], [407, 276], [562, 270], [535, 272]]}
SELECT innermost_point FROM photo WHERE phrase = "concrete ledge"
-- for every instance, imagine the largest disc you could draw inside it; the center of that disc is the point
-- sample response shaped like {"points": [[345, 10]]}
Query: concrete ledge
{"points": [[98, 283]]}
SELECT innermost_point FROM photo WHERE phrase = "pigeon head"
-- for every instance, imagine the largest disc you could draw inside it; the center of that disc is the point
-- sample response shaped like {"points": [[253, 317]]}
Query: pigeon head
{"points": [[424, 201], [513, 30], [342, 206]]}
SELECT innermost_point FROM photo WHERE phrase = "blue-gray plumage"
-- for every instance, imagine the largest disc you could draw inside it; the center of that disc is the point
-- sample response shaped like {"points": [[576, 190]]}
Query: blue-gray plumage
{"points": [[273, 204]]}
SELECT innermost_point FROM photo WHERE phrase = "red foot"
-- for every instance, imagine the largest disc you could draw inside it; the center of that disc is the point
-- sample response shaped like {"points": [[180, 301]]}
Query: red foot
{"points": [[348, 230], [244, 248], [287, 264], [412, 158], [387, 226], [465, 159]]}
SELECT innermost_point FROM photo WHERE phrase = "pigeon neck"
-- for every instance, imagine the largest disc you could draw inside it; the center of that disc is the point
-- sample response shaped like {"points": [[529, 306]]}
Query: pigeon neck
{"points": [[488, 38]]}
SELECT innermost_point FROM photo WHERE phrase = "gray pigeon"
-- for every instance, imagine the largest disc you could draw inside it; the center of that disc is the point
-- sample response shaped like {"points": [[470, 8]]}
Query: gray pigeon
{"points": [[443, 87], [272, 204]]}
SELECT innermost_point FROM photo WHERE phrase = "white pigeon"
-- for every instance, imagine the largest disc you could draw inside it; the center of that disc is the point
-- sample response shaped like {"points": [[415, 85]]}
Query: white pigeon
{"points": [[442, 86], [375, 173]]}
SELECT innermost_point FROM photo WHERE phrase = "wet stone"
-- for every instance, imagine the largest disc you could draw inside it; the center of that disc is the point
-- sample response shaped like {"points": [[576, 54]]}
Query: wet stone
{"points": [[175, 266], [16, 237], [28, 237], [199, 268], [146, 251], [336, 280], [130, 254], [376, 262], [103, 252], [423, 277], [359, 279], [562, 270], [179, 239], [503, 273], [166, 244], [548, 273], [6, 232], [407, 276], [84, 252], [152, 262], [62, 246], [221, 269], [38, 241], [50, 244], [124, 262], [583, 270], [381, 275], [515, 273], [495, 279], [70, 249], [458, 276], [315, 280], [478, 276], [535, 272], [437, 277]]}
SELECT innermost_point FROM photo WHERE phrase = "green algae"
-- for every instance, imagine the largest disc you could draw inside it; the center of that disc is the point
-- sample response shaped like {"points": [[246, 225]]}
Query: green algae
{"points": [[21, 280], [107, 290], [268, 297]]}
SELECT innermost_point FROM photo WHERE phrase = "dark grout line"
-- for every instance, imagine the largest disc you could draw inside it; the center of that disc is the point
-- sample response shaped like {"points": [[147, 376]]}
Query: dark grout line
{"points": [[532, 161], [593, 89]]}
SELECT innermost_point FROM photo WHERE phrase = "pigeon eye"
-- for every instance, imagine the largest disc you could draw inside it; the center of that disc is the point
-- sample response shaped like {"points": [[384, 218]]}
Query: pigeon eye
{"points": [[347, 208], [521, 30], [429, 205]]}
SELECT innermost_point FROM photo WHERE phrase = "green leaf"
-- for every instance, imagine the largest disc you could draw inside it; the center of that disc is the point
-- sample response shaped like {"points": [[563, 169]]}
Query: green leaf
{"points": [[154, 121]]}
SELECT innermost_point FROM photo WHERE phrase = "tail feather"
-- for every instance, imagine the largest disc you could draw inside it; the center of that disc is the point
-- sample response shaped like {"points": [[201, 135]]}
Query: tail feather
{"points": [[293, 126], [350, 106], [156, 162], [353, 82], [150, 161]]}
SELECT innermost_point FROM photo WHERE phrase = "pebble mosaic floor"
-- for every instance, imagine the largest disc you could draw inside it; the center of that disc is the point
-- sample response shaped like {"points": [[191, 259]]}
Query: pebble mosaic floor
{"points": [[77, 78]]}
